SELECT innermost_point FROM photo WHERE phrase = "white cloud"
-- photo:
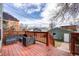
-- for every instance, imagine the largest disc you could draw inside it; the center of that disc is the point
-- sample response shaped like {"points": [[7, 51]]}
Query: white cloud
{"points": [[37, 23], [18, 5], [49, 7], [31, 10], [46, 13]]}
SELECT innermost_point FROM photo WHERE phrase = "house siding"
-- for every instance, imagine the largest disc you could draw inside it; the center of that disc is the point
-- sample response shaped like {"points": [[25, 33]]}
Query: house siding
{"points": [[12, 22], [59, 33]]}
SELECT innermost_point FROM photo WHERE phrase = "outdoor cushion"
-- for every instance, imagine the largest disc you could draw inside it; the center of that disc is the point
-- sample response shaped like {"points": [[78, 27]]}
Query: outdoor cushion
{"points": [[14, 38], [11, 39]]}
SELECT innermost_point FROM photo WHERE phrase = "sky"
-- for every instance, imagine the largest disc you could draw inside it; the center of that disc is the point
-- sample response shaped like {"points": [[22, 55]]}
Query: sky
{"points": [[33, 14], [30, 13]]}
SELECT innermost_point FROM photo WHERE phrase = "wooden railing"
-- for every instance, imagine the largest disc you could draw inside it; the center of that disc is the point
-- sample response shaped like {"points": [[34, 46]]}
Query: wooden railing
{"points": [[74, 47], [43, 37]]}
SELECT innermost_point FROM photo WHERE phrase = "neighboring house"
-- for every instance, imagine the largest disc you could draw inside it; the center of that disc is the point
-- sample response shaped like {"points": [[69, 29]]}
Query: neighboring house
{"points": [[23, 27], [77, 28], [44, 29], [73, 28], [37, 30], [70, 27], [9, 22], [58, 33]]}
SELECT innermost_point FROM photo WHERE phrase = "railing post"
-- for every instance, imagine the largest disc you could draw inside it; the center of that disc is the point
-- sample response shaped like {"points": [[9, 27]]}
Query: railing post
{"points": [[73, 40], [47, 41]]}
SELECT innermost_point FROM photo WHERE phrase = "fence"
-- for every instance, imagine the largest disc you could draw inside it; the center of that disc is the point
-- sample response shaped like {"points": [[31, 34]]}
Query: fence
{"points": [[74, 43], [43, 37]]}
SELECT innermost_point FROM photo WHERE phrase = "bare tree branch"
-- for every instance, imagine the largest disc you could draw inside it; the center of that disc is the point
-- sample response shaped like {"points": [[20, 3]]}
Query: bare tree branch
{"points": [[71, 9]]}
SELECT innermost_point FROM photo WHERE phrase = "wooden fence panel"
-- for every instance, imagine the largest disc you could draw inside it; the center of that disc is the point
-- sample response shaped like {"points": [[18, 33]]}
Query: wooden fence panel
{"points": [[43, 37], [74, 44]]}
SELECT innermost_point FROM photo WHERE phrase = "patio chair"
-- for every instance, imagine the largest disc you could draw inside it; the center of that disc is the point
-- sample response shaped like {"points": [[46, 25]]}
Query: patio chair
{"points": [[28, 41]]}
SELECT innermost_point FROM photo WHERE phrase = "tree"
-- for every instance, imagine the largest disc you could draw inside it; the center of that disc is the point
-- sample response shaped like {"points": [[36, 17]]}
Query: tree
{"points": [[52, 24], [23, 26], [66, 11]]}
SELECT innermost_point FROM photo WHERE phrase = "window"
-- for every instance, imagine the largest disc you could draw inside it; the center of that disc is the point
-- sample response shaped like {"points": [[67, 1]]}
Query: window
{"points": [[54, 33]]}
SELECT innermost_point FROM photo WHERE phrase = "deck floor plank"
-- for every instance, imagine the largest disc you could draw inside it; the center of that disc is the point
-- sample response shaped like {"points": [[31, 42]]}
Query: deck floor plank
{"points": [[37, 49]]}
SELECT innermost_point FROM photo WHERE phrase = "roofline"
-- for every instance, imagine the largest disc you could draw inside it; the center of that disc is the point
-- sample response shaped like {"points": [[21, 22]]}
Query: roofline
{"points": [[10, 20], [11, 16]]}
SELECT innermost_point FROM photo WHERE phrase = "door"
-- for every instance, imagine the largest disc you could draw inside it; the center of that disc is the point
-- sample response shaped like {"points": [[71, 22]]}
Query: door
{"points": [[66, 37]]}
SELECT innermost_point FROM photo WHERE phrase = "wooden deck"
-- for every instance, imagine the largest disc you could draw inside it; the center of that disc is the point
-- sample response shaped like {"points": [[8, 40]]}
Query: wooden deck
{"points": [[37, 49]]}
